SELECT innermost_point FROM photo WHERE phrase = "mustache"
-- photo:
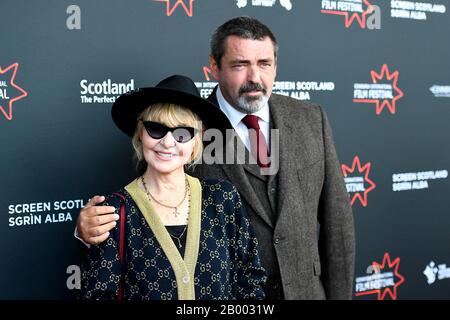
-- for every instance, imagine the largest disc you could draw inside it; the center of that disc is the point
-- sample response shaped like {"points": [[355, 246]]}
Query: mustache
{"points": [[248, 87]]}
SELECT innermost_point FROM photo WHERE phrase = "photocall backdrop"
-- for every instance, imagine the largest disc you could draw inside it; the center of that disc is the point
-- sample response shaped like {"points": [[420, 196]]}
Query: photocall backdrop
{"points": [[381, 70]]}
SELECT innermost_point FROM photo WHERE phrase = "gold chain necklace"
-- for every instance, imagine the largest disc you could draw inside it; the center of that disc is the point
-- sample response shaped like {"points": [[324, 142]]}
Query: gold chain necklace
{"points": [[150, 196]]}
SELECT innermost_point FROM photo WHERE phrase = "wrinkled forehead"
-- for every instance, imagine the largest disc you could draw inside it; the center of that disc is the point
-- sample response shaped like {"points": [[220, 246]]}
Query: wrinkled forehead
{"points": [[241, 48]]}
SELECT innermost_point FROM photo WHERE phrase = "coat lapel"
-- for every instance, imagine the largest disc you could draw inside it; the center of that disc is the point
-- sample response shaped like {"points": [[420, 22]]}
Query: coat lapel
{"points": [[293, 153], [237, 175]]}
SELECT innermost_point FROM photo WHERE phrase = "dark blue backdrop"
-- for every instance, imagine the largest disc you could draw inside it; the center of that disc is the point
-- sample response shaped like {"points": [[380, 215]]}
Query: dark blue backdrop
{"points": [[383, 79]]}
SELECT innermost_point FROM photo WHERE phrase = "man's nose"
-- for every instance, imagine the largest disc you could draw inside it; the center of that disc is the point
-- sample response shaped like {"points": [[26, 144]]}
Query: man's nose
{"points": [[253, 74]]}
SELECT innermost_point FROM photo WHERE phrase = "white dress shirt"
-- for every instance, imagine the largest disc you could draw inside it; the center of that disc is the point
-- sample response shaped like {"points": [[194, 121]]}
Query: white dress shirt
{"points": [[236, 117]]}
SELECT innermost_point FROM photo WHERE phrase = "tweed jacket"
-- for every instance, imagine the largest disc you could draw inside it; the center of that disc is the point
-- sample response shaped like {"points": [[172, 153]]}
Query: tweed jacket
{"points": [[302, 215]]}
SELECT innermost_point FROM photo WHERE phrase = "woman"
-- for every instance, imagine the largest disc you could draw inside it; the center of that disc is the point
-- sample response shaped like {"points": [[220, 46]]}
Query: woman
{"points": [[178, 237]]}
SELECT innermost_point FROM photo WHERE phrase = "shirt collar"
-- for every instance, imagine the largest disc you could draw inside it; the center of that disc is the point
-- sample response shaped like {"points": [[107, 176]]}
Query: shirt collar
{"points": [[236, 116]]}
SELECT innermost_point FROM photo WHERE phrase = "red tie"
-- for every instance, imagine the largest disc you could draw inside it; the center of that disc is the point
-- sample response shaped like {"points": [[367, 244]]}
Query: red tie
{"points": [[257, 140]]}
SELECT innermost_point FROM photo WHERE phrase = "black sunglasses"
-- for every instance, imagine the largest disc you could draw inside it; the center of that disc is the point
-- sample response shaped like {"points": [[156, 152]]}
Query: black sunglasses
{"points": [[158, 131]]}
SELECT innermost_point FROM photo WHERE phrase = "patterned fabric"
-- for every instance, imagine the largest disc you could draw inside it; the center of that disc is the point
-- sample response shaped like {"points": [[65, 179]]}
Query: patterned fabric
{"points": [[228, 265]]}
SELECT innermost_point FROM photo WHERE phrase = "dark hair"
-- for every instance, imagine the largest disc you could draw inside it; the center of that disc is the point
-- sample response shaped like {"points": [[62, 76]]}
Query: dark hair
{"points": [[243, 27]]}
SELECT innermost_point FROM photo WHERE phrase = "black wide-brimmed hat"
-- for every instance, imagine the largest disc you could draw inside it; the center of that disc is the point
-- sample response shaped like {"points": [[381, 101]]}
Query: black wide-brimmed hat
{"points": [[175, 89]]}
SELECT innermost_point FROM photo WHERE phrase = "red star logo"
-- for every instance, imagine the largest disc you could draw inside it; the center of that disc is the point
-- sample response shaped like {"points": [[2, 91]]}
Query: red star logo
{"points": [[7, 111], [170, 9], [361, 169], [349, 18], [389, 103], [207, 71], [389, 265]]}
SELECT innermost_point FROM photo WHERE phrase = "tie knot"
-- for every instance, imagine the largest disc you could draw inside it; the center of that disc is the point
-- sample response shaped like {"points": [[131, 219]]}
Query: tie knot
{"points": [[251, 121]]}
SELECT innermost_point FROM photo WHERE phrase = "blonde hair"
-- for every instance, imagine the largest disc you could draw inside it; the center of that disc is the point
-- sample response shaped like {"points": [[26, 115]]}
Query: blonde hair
{"points": [[171, 115]]}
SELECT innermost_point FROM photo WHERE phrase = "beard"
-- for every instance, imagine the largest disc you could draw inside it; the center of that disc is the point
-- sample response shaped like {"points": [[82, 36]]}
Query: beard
{"points": [[251, 104]]}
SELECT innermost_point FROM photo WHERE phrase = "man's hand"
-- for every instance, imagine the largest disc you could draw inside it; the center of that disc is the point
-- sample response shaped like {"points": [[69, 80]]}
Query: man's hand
{"points": [[95, 222]]}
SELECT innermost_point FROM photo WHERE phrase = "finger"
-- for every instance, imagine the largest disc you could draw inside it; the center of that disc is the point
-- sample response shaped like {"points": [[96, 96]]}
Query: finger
{"points": [[100, 210], [97, 210], [96, 230], [105, 228], [98, 220], [94, 201], [98, 239]]}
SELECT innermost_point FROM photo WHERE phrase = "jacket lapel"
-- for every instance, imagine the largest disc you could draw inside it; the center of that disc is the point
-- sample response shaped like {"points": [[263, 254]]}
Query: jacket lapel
{"points": [[237, 175], [293, 153]]}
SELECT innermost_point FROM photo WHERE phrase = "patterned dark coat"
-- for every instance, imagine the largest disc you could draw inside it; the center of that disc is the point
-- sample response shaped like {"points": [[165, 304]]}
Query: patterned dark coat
{"points": [[227, 264]]}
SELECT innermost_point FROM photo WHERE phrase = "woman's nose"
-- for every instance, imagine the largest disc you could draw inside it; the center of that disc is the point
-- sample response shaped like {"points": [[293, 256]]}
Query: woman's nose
{"points": [[168, 140]]}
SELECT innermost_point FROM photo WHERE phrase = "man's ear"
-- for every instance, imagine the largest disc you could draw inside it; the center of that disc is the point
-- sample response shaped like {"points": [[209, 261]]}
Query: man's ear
{"points": [[214, 67]]}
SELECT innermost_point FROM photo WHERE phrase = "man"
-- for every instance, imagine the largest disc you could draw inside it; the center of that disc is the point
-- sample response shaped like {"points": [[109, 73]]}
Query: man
{"points": [[301, 214]]}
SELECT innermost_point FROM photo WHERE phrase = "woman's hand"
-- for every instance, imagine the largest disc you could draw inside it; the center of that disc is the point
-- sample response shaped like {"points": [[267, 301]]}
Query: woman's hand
{"points": [[94, 222]]}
